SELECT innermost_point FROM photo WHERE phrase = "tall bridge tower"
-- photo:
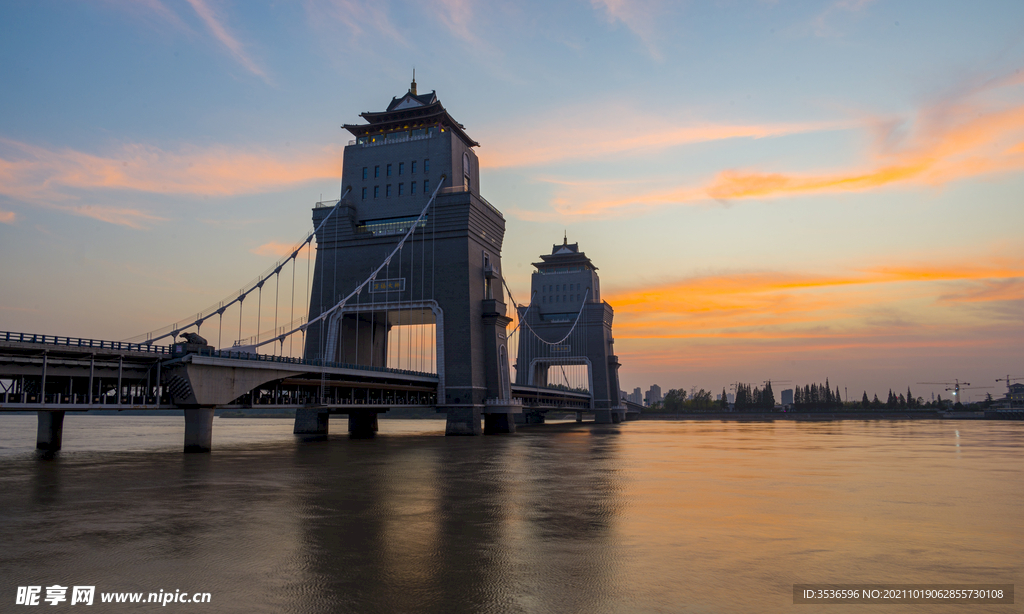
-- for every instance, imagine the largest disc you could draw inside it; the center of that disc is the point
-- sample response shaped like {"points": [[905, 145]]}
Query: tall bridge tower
{"points": [[567, 323], [447, 276]]}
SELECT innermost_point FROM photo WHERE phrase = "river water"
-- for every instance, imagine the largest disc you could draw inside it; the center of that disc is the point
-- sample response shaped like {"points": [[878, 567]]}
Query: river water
{"points": [[638, 517]]}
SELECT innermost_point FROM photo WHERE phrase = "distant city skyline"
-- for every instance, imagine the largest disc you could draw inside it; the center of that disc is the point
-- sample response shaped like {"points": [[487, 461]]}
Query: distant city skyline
{"points": [[770, 190]]}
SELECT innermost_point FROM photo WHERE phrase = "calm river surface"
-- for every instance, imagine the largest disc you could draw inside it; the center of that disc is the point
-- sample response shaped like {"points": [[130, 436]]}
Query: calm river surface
{"points": [[637, 517]]}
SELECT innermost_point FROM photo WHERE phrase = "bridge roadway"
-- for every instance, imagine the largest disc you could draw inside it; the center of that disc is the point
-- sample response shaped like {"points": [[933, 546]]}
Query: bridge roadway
{"points": [[52, 374]]}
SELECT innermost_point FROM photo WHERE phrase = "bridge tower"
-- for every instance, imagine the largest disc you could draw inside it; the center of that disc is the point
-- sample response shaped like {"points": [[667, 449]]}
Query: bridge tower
{"points": [[448, 275], [566, 304]]}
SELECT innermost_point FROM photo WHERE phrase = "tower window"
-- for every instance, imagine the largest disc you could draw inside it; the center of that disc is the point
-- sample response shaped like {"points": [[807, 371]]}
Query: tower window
{"points": [[401, 167], [376, 191], [412, 187], [364, 172], [387, 191], [401, 188], [389, 170], [426, 185], [465, 170], [376, 172], [412, 166], [426, 165], [364, 191]]}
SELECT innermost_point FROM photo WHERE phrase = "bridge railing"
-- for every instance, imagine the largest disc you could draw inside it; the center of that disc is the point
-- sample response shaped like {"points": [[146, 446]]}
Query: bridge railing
{"points": [[314, 362], [83, 343]]}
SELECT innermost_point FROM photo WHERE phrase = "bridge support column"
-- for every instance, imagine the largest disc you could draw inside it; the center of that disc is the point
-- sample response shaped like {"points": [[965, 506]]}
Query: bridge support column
{"points": [[499, 423], [50, 433], [618, 416], [463, 421], [603, 416], [311, 421], [362, 424], [199, 429], [579, 416]]}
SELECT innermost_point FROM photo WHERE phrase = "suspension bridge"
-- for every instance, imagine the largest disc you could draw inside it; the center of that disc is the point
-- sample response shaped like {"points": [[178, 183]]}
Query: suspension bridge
{"points": [[402, 303]]}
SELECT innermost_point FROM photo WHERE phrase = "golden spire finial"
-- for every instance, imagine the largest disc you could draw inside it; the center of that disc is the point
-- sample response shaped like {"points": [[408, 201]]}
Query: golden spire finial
{"points": [[412, 87], [565, 238]]}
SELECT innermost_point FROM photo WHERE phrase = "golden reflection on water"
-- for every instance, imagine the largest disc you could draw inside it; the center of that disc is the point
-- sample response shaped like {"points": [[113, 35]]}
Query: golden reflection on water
{"points": [[639, 517], [736, 513]]}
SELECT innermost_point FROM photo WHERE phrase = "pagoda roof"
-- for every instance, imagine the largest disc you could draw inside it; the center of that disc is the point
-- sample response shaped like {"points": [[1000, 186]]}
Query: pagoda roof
{"points": [[411, 110], [566, 253]]}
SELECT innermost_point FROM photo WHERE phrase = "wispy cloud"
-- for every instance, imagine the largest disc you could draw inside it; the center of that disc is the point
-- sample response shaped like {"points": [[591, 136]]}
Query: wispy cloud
{"points": [[457, 15], [61, 179], [120, 216], [7, 217], [944, 142], [823, 24], [278, 249], [947, 144], [221, 33], [574, 137], [31, 173], [640, 16], [360, 17]]}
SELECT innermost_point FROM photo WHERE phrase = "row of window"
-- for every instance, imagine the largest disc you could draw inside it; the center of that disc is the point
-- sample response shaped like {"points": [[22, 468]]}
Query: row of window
{"points": [[401, 189], [573, 269], [554, 299], [557, 287], [400, 135], [401, 169]]}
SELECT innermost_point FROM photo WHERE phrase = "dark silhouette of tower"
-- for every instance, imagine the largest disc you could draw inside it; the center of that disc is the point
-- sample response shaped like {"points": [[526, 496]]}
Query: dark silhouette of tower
{"points": [[450, 277], [565, 282]]}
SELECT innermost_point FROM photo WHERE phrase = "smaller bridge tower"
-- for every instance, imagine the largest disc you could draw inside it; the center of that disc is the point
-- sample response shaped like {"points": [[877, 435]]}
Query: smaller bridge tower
{"points": [[567, 323]]}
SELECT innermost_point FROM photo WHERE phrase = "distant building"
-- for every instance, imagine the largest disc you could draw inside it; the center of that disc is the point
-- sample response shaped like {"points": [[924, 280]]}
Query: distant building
{"points": [[731, 398], [1016, 395], [653, 395], [787, 396], [637, 397]]}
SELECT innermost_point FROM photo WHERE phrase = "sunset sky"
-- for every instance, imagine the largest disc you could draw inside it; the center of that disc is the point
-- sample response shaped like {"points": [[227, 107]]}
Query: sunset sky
{"points": [[770, 189]]}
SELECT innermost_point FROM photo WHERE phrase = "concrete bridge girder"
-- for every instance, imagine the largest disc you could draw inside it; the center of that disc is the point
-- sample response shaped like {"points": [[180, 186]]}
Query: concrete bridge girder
{"points": [[211, 385]]}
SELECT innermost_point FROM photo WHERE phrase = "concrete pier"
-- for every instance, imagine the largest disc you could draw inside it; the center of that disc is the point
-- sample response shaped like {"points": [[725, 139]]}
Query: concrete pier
{"points": [[199, 429], [499, 423], [50, 432], [463, 421], [362, 424], [579, 416], [311, 421], [603, 416]]}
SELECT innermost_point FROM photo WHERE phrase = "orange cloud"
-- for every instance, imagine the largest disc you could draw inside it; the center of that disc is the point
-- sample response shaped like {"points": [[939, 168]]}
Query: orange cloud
{"points": [[7, 217], [775, 306], [33, 173], [948, 141], [937, 154], [276, 248]]}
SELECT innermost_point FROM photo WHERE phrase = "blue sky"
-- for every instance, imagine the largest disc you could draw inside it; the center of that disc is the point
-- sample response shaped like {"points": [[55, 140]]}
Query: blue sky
{"points": [[789, 190]]}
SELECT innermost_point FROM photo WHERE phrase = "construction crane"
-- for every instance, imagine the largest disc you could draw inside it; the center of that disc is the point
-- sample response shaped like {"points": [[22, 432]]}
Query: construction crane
{"points": [[957, 386], [1009, 380]]}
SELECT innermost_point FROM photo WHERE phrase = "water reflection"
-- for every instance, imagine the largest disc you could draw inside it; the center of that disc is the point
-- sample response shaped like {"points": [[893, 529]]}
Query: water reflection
{"points": [[450, 525], [715, 517]]}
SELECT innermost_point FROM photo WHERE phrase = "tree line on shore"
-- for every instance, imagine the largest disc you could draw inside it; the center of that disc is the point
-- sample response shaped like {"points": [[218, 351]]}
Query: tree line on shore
{"points": [[809, 397]]}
